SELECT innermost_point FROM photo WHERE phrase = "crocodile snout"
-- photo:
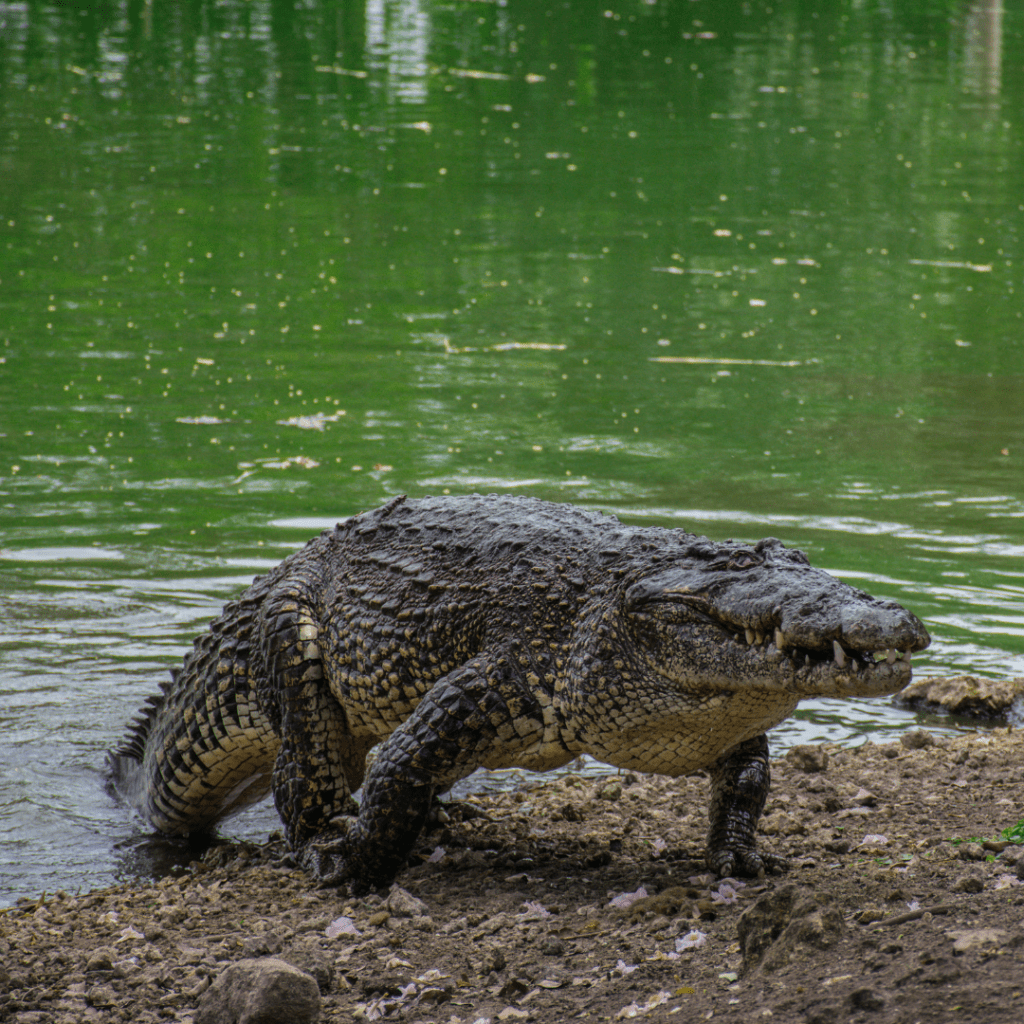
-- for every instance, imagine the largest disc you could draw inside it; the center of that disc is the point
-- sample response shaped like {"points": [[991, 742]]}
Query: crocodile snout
{"points": [[882, 625]]}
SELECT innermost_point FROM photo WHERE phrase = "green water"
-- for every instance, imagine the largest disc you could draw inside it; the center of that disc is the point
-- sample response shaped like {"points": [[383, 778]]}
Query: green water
{"points": [[748, 269]]}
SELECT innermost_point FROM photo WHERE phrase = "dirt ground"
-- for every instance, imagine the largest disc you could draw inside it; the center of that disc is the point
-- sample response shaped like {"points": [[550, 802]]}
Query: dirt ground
{"points": [[527, 907]]}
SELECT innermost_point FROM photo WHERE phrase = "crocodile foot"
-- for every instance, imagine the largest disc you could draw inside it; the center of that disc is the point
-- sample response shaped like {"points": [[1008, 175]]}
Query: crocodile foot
{"points": [[743, 861], [441, 814], [330, 857]]}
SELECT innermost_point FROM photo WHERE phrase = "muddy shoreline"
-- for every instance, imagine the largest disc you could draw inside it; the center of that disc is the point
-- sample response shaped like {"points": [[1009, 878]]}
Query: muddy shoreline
{"points": [[584, 899]]}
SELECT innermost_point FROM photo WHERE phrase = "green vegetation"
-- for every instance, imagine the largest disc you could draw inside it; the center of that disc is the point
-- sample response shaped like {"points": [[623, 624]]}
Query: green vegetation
{"points": [[1012, 834]]}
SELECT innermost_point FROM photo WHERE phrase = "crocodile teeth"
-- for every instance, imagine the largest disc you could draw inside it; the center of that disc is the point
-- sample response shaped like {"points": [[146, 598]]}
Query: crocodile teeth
{"points": [[780, 640], [750, 636], [890, 655], [906, 655], [840, 656], [759, 637]]}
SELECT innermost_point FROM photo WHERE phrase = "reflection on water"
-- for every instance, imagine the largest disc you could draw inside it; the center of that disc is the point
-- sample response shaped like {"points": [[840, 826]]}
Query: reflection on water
{"points": [[744, 269]]}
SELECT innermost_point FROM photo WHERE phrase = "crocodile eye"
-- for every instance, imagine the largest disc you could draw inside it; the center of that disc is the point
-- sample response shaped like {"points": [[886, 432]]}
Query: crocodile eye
{"points": [[743, 560]]}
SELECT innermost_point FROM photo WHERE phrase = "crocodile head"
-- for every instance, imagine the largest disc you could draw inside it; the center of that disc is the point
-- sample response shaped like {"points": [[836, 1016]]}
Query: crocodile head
{"points": [[764, 617]]}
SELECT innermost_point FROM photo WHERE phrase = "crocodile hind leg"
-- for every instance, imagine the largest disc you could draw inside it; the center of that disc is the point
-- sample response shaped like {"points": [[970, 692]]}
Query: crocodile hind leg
{"points": [[319, 762], [740, 781], [459, 724]]}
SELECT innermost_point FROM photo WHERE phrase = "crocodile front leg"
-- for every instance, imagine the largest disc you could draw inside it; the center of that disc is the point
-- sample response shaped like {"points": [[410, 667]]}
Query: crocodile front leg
{"points": [[465, 717], [740, 780]]}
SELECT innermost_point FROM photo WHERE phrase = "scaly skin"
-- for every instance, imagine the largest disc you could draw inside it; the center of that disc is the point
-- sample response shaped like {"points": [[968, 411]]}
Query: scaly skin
{"points": [[460, 632]]}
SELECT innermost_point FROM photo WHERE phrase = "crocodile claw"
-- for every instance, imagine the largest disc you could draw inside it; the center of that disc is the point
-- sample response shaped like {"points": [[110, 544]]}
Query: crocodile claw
{"points": [[744, 862]]}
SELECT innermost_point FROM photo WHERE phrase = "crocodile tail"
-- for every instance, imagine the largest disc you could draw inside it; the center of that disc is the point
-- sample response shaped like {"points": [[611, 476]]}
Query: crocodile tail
{"points": [[125, 763]]}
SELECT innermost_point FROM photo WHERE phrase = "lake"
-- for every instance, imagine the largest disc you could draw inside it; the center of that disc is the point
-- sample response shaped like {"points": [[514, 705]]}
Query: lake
{"points": [[745, 269]]}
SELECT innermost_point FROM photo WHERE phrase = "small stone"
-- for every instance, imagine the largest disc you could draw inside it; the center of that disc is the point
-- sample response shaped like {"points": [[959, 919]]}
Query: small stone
{"points": [[971, 851], [972, 881], [838, 846], [977, 939], [864, 798], [917, 739], [101, 959], [101, 996], [514, 1013], [870, 915], [266, 991], [436, 994], [610, 791], [403, 904], [552, 946], [866, 999], [808, 758], [494, 960], [514, 988]]}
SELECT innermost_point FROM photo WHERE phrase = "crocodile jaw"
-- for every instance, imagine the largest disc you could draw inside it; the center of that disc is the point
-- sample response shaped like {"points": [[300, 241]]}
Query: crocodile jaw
{"points": [[703, 658], [836, 673]]}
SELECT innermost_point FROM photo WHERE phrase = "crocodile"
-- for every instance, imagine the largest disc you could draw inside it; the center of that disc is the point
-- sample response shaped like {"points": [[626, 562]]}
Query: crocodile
{"points": [[448, 633]]}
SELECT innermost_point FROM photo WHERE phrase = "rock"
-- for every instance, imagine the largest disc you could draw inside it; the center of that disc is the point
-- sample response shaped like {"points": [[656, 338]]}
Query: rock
{"points": [[917, 739], [977, 939], [838, 846], [782, 921], [101, 996], [667, 903], [782, 824], [266, 991], [765, 921], [971, 851], [494, 960], [808, 758], [513, 989], [870, 915], [403, 904], [100, 959], [866, 999], [610, 791], [964, 695], [972, 881]]}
